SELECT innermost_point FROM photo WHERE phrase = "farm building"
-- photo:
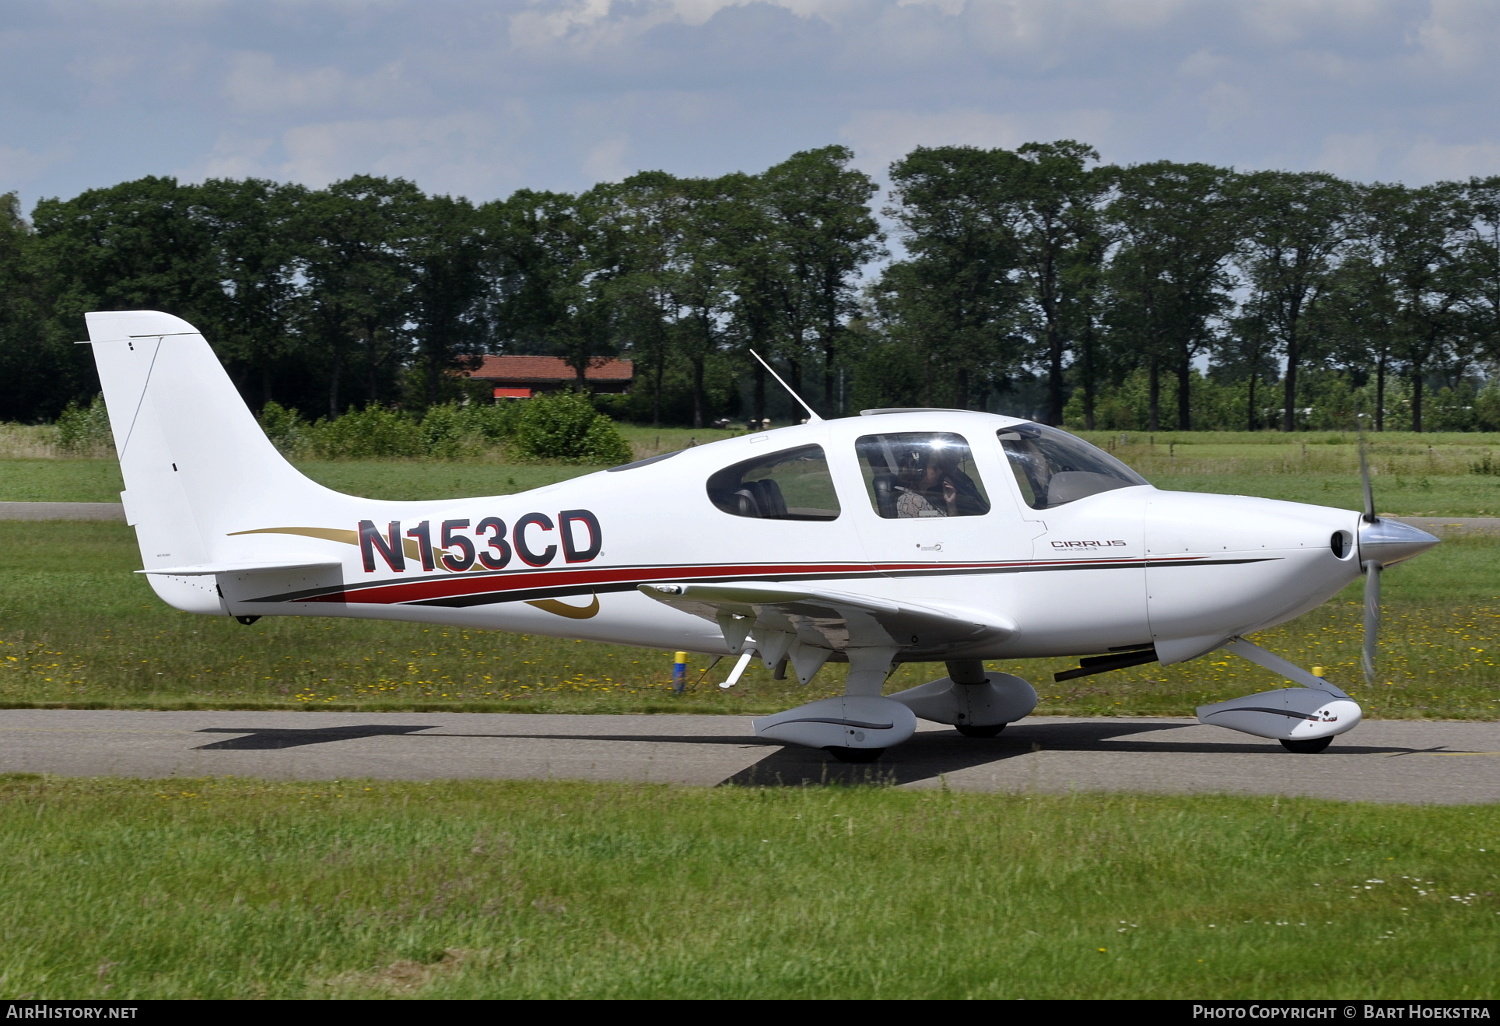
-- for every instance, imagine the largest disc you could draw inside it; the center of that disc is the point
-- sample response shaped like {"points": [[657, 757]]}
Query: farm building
{"points": [[521, 377]]}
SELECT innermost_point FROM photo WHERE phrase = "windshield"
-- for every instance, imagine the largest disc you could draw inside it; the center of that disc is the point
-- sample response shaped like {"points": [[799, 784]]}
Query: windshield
{"points": [[1053, 467]]}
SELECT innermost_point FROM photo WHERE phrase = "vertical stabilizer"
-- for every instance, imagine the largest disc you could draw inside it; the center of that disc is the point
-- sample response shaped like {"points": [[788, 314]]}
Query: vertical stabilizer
{"points": [[196, 465]]}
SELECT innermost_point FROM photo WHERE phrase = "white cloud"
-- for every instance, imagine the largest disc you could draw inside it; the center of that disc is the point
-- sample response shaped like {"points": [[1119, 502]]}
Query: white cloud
{"points": [[594, 24], [1457, 35], [948, 7], [538, 23], [1289, 22]]}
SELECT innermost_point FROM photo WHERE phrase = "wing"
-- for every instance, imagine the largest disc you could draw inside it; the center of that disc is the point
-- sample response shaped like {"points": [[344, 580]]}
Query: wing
{"points": [[811, 624]]}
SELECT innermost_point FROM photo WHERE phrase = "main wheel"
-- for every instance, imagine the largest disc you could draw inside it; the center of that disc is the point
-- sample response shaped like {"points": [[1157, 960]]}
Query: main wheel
{"points": [[1312, 747], [854, 754], [972, 730]]}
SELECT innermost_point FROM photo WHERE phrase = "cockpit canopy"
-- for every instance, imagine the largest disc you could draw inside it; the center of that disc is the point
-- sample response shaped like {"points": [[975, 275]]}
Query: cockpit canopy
{"points": [[1053, 467], [917, 474]]}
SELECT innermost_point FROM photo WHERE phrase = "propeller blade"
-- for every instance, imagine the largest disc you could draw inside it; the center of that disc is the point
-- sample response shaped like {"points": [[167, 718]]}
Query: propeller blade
{"points": [[1372, 619]]}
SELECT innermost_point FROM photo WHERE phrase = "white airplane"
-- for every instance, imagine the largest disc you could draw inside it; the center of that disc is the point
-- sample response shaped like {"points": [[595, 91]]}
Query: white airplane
{"points": [[896, 536]]}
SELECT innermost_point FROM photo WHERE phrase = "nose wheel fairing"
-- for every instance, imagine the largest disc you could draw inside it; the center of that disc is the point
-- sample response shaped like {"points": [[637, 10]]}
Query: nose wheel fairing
{"points": [[1289, 714]]}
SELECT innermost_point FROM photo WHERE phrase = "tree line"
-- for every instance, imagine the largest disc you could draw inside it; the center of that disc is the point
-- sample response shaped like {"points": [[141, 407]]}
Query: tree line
{"points": [[1038, 278]]}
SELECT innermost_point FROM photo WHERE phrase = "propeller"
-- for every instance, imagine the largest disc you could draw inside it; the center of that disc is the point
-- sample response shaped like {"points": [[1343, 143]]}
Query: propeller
{"points": [[1381, 544]]}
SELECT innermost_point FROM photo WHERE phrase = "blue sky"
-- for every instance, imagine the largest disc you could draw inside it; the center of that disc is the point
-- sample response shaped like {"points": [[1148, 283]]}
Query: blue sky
{"points": [[482, 97]]}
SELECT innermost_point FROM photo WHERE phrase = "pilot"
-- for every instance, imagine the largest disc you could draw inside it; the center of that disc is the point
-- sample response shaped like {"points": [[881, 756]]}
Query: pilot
{"points": [[1032, 468]]}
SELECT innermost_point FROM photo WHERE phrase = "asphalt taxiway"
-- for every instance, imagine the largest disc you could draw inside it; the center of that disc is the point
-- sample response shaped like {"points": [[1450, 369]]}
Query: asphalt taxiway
{"points": [[1406, 761]]}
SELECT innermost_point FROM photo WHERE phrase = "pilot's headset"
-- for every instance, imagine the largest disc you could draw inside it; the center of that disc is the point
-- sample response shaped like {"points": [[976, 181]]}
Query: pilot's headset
{"points": [[914, 459]]}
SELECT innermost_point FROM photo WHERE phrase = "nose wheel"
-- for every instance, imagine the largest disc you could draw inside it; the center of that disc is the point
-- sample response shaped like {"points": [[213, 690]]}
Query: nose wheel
{"points": [[854, 754], [973, 730], [1310, 747]]}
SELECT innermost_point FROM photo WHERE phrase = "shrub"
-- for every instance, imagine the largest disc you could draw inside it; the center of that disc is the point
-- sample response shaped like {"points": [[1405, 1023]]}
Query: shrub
{"points": [[451, 432], [564, 427], [285, 428], [84, 430], [1487, 406], [371, 433]]}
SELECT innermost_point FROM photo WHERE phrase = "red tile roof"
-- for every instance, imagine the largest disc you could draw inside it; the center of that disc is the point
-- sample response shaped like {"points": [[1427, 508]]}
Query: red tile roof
{"points": [[542, 369]]}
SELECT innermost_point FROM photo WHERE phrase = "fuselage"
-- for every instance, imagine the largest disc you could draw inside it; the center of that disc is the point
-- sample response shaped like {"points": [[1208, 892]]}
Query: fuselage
{"points": [[950, 508]]}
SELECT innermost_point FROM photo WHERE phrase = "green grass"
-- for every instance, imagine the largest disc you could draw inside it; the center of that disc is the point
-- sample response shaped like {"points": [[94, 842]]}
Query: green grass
{"points": [[78, 628], [1412, 474], [223, 888], [83, 480], [60, 480], [418, 479], [98, 480], [649, 441]]}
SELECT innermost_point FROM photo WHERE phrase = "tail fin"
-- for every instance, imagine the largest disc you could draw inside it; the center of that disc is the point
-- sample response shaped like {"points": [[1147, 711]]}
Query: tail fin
{"points": [[197, 466]]}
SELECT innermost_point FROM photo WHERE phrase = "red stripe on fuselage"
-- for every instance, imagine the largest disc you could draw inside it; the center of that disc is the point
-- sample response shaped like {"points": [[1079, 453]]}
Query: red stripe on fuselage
{"points": [[429, 588]]}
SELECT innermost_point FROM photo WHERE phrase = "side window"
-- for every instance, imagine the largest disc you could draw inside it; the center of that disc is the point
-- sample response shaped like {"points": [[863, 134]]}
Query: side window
{"points": [[921, 474], [790, 485]]}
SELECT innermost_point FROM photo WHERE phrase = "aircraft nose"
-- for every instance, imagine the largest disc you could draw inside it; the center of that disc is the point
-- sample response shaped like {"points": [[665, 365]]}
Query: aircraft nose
{"points": [[1391, 541]]}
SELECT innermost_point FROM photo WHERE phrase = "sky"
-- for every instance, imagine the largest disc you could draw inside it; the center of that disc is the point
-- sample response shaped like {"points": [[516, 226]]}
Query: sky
{"points": [[482, 97]]}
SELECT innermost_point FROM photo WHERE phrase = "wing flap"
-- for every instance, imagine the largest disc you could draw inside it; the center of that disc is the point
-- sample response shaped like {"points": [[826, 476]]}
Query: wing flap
{"points": [[830, 619]]}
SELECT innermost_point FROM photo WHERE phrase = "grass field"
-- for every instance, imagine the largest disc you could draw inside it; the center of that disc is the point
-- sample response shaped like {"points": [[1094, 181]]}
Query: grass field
{"points": [[1412, 474], [224, 888]]}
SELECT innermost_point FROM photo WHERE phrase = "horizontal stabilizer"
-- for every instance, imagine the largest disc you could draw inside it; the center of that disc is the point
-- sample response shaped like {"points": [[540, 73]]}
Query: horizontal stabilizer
{"points": [[201, 569]]}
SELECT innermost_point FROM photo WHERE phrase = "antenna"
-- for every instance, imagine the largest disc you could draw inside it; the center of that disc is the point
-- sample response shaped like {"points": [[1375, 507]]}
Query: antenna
{"points": [[812, 415]]}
